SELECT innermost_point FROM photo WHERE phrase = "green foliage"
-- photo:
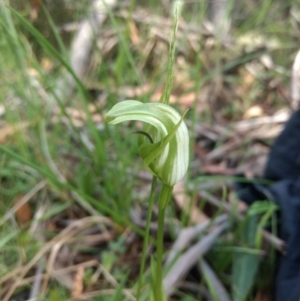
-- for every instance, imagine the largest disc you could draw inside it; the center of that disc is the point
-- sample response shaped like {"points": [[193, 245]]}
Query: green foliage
{"points": [[245, 264], [111, 256], [57, 293], [246, 260]]}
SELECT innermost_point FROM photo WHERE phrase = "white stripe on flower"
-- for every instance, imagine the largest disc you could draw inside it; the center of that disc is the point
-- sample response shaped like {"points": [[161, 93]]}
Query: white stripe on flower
{"points": [[171, 163]]}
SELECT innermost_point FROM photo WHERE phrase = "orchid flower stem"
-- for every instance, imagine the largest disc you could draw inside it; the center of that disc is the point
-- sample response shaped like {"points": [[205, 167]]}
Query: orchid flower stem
{"points": [[162, 204], [146, 237]]}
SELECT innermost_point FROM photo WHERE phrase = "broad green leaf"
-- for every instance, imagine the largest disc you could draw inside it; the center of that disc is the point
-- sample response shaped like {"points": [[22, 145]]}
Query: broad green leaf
{"points": [[245, 265]]}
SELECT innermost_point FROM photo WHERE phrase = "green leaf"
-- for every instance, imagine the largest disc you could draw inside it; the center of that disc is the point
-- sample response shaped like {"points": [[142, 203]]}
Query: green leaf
{"points": [[55, 210], [245, 265]]}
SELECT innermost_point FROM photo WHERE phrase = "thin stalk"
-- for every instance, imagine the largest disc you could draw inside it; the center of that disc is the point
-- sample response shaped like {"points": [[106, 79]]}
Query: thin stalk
{"points": [[162, 204], [146, 237], [167, 90]]}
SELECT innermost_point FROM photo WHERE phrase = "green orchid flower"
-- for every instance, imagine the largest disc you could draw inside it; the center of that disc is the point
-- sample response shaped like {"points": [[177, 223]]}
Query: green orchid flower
{"points": [[167, 153]]}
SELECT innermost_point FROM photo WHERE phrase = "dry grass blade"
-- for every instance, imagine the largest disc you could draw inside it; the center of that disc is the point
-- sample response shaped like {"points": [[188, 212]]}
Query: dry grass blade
{"points": [[92, 240], [219, 16], [215, 201], [113, 282], [251, 124], [58, 240], [99, 293], [186, 235], [224, 149], [197, 288], [58, 258], [190, 257], [34, 292], [60, 272], [214, 281], [266, 131], [36, 230], [137, 220]]}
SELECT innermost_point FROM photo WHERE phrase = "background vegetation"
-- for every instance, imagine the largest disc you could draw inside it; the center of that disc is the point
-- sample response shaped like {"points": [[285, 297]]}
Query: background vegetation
{"points": [[74, 192]]}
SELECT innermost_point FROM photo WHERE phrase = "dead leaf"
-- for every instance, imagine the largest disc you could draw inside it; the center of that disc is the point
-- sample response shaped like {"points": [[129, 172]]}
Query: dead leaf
{"points": [[187, 100], [8, 130], [199, 151], [134, 33], [23, 213], [47, 64], [78, 282], [32, 72], [254, 111], [35, 7]]}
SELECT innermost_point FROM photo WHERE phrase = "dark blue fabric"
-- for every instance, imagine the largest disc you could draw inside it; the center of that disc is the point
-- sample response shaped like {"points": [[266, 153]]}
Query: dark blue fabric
{"points": [[284, 158], [283, 167], [287, 194]]}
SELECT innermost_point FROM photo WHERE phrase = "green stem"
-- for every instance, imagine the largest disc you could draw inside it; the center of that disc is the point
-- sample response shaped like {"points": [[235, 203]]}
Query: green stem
{"points": [[146, 237], [162, 204]]}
